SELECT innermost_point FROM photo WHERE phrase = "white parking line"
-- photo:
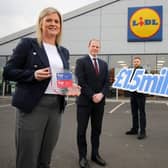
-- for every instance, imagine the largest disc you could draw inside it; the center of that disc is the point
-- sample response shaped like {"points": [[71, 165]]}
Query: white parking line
{"points": [[115, 108], [5, 105], [71, 104]]}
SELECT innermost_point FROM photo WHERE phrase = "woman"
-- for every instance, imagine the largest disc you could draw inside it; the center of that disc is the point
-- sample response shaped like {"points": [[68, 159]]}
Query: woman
{"points": [[39, 104]]}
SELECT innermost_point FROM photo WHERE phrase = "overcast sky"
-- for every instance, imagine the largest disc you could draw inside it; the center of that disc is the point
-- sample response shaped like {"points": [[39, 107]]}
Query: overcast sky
{"points": [[16, 15]]}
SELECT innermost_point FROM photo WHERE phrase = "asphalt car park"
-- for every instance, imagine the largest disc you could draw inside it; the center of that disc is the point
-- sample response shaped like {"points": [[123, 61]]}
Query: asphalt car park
{"points": [[118, 149]]}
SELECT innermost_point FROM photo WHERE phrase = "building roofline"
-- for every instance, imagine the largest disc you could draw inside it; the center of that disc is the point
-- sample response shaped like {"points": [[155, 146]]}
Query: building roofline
{"points": [[17, 35], [89, 8], [66, 17]]}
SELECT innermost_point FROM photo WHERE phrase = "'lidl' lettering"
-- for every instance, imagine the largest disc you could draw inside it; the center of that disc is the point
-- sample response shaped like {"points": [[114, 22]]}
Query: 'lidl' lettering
{"points": [[156, 84], [145, 22]]}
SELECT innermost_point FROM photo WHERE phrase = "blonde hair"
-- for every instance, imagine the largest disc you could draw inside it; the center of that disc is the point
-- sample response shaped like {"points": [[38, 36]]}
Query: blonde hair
{"points": [[43, 13]]}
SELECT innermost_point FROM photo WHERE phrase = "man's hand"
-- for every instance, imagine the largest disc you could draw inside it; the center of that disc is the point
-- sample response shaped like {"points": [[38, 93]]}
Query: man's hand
{"points": [[97, 97]]}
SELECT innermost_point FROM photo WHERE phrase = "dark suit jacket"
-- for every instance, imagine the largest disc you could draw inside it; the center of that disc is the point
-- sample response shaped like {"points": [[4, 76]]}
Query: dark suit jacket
{"points": [[135, 93], [27, 57], [88, 80]]}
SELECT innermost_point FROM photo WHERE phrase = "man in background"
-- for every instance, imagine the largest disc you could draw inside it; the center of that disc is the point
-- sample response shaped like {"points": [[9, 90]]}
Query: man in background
{"points": [[137, 101]]}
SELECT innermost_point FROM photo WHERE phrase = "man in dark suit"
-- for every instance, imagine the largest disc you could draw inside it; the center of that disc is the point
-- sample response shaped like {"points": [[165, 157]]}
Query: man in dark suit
{"points": [[137, 108], [92, 75]]}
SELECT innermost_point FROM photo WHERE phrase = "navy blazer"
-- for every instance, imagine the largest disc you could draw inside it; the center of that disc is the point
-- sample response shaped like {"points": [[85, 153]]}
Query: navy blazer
{"points": [[27, 57], [90, 82]]}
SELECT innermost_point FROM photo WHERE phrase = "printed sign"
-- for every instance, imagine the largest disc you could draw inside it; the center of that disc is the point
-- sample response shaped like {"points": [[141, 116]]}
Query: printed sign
{"points": [[153, 84], [64, 80], [145, 23]]}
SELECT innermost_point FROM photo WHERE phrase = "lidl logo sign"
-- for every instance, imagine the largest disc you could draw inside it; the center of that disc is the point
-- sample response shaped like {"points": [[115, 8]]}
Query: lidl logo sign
{"points": [[145, 23]]}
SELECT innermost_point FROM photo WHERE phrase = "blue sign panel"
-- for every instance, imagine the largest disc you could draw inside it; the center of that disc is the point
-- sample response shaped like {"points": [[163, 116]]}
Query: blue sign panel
{"points": [[153, 84]]}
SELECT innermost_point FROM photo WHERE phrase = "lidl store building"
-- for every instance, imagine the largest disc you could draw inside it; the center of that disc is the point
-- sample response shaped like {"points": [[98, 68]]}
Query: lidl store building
{"points": [[126, 28]]}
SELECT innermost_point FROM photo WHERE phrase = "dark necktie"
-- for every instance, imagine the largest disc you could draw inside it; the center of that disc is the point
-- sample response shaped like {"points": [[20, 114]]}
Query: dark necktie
{"points": [[133, 74], [96, 66]]}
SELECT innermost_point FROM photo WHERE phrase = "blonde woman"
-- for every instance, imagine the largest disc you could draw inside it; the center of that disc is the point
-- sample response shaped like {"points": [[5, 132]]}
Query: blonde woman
{"points": [[38, 106]]}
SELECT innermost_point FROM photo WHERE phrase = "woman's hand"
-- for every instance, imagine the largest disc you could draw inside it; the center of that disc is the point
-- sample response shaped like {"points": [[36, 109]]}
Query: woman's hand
{"points": [[42, 74], [75, 90]]}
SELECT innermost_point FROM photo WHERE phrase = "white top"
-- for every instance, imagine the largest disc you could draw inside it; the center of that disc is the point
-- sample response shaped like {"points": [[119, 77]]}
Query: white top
{"points": [[56, 65]]}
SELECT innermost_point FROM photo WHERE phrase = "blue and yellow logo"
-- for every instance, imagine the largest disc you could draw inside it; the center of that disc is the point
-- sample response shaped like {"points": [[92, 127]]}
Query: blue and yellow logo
{"points": [[145, 23]]}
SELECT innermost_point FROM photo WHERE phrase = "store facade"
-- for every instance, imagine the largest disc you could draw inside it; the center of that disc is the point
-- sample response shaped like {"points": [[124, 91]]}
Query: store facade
{"points": [[126, 28]]}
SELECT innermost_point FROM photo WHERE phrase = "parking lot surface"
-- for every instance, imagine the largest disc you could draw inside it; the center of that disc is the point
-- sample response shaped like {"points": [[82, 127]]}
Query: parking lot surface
{"points": [[118, 149]]}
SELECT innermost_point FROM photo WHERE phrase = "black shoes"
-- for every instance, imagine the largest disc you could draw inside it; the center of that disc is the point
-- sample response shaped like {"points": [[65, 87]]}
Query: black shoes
{"points": [[98, 160], [141, 135], [83, 163], [131, 132]]}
